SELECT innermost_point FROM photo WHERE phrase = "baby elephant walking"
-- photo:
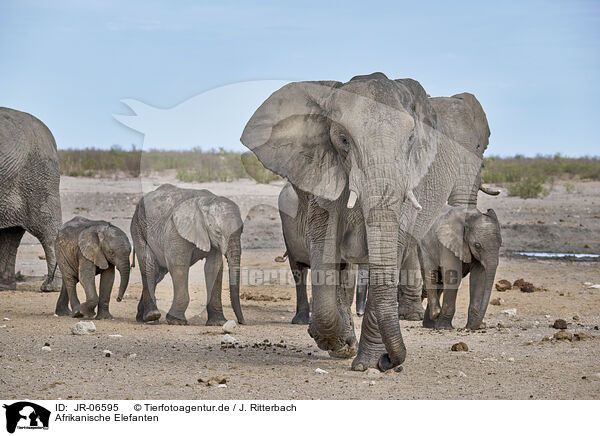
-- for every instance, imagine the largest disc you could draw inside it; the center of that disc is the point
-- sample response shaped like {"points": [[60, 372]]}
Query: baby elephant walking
{"points": [[85, 248], [172, 229]]}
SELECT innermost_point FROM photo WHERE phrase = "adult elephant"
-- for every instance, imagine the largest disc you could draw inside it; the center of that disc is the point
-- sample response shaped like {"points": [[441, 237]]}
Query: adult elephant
{"points": [[29, 197], [372, 157]]}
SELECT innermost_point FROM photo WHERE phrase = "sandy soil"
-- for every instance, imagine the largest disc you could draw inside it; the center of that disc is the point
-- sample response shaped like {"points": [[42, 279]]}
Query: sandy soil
{"points": [[273, 359]]}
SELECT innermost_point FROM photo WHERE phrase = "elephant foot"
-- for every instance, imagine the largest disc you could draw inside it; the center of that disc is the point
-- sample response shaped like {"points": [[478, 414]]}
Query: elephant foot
{"points": [[104, 314], [83, 312], [175, 321], [215, 320], [301, 318], [51, 285], [8, 285], [367, 357], [349, 350], [385, 364], [63, 311], [150, 316], [428, 323], [443, 324], [410, 311], [327, 343]]}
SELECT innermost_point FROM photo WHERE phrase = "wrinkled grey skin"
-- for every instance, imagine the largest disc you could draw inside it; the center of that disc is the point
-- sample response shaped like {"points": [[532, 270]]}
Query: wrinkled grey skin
{"points": [[29, 197], [382, 140], [84, 249], [293, 213], [172, 229], [461, 241], [463, 121]]}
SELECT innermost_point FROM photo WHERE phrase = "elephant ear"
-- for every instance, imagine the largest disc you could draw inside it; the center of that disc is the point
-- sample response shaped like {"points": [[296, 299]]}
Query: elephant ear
{"points": [[450, 231], [89, 243], [190, 224], [426, 138], [289, 133]]}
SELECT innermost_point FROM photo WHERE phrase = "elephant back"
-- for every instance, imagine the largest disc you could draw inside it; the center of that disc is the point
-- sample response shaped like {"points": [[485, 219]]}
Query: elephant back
{"points": [[23, 139]]}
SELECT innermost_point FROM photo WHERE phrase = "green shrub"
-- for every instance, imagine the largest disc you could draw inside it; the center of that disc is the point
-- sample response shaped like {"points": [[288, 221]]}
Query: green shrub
{"points": [[256, 170], [529, 187]]}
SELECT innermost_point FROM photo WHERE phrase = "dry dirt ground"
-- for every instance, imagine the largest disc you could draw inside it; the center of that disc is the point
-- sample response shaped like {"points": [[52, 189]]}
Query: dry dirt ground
{"points": [[510, 359]]}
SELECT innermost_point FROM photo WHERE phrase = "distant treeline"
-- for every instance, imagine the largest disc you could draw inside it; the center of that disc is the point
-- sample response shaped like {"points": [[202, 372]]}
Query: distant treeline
{"points": [[219, 165]]}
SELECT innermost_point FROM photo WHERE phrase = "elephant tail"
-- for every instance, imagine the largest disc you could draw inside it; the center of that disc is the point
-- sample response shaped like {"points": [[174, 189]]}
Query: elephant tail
{"points": [[280, 259], [133, 257]]}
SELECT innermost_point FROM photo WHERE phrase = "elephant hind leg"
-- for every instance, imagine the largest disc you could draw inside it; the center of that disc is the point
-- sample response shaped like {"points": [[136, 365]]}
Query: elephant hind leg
{"points": [[47, 237], [10, 238], [151, 273]]}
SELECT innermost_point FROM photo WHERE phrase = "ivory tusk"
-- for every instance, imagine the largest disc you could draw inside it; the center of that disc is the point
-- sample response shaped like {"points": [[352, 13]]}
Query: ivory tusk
{"points": [[352, 199], [411, 196], [489, 191]]}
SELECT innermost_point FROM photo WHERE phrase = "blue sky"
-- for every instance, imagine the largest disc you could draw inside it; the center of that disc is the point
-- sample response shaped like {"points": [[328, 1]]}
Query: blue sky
{"points": [[534, 66]]}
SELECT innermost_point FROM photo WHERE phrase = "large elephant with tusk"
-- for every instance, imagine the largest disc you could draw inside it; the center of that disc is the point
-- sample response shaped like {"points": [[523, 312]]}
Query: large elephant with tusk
{"points": [[374, 166]]}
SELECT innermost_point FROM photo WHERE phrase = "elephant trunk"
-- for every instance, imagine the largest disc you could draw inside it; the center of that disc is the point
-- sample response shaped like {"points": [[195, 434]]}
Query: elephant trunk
{"points": [[124, 270], [382, 240], [481, 281], [233, 262]]}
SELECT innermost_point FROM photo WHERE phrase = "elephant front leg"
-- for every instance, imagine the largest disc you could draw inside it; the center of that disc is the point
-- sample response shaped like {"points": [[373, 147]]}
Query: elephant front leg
{"points": [[213, 273], [345, 296], [299, 272], [451, 277], [87, 274], [181, 296], [9, 243], [371, 346], [107, 279], [362, 285], [410, 306]]}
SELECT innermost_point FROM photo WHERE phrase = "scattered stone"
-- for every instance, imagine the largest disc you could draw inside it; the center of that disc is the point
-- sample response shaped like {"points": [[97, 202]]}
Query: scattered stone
{"points": [[116, 335], [594, 287], [107, 353], [500, 326], [217, 381], [582, 336], [460, 346], [83, 328], [6, 319], [3, 326], [596, 376], [228, 339], [563, 335], [576, 317], [509, 312], [321, 371], [461, 374], [372, 383], [547, 316], [372, 372], [229, 326], [46, 348], [503, 286], [497, 301], [511, 359], [131, 355], [560, 324]]}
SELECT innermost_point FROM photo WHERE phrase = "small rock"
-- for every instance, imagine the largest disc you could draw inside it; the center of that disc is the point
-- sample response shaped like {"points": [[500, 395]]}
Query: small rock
{"points": [[596, 376], [594, 287], [321, 371], [511, 359], [460, 346], [6, 319], [582, 336], [107, 353], [461, 374], [563, 335], [547, 316], [131, 355], [116, 335], [560, 324], [228, 339], [222, 385], [509, 312], [372, 372], [503, 286], [3, 326], [83, 328], [500, 326], [46, 348], [497, 301], [214, 381], [229, 326], [372, 383], [576, 317]]}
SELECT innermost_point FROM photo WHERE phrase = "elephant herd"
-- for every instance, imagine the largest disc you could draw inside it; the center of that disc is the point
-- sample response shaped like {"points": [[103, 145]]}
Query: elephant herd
{"points": [[380, 175]]}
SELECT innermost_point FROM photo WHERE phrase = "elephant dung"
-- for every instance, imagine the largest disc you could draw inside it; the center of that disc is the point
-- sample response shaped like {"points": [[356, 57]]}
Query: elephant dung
{"points": [[560, 324], [229, 326], [503, 285], [563, 335], [582, 336], [83, 328], [460, 346]]}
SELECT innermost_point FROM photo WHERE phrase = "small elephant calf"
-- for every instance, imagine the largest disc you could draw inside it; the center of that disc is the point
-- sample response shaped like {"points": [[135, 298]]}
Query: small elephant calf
{"points": [[85, 248], [173, 228], [460, 242]]}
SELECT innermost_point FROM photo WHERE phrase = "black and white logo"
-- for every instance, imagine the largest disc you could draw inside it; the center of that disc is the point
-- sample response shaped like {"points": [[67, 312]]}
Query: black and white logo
{"points": [[26, 415]]}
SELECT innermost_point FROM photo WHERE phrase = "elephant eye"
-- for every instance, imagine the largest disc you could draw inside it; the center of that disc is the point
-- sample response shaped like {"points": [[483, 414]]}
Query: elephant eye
{"points": [[478, 245], [344, 140]]}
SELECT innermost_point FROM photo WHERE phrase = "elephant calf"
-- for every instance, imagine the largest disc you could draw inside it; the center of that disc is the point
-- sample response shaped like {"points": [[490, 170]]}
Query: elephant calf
{"points": [[461, 241], [85, 248], [172, 229]]}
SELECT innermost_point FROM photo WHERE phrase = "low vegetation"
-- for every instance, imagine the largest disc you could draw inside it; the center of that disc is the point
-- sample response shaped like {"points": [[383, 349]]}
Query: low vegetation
{"points": [[523, 176]]}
